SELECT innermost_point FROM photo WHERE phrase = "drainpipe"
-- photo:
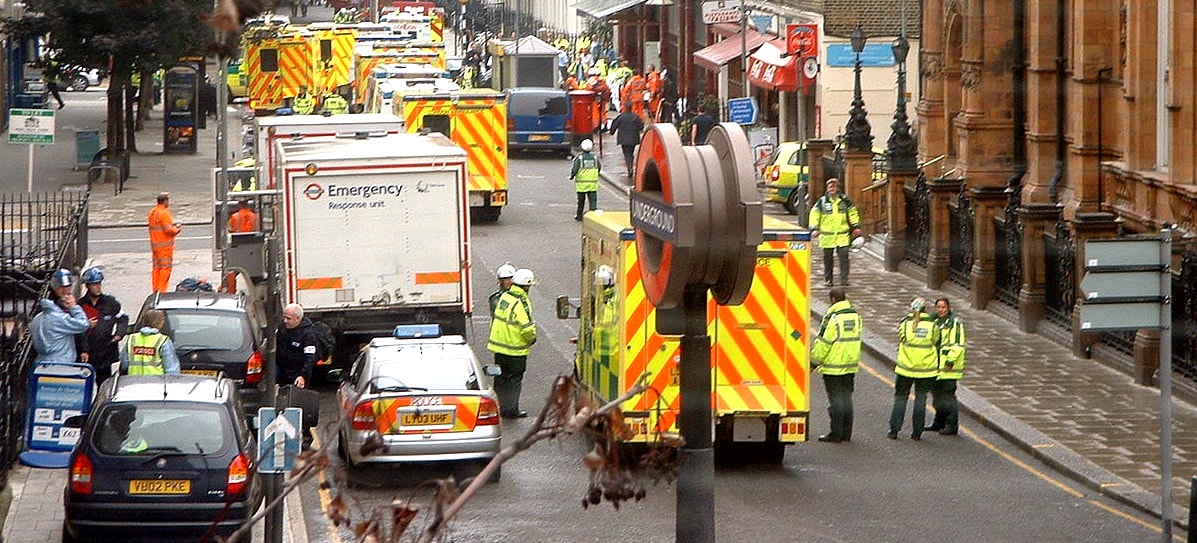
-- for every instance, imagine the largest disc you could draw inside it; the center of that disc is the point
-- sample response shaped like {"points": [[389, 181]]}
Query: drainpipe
{"points": [[1103, 75], [1019, 82], [1053, 186]]}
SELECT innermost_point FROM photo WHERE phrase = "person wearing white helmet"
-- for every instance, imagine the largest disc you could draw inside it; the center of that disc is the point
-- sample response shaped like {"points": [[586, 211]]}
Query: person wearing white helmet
{"points": [[512, 333], [917, 366], [503, 275], [54, 330], [585, 175]]}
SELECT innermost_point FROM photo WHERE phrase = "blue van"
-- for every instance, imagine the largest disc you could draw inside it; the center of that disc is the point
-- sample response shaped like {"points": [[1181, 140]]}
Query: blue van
{"points": [[538, 118]]}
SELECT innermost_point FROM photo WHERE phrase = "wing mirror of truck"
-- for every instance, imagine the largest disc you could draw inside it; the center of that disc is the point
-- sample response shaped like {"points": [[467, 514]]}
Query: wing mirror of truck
{"points": [[569, 308]]}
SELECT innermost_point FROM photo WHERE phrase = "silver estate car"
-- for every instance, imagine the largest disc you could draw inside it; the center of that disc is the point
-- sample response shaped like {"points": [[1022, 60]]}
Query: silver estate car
{"points": [[425, 395]]}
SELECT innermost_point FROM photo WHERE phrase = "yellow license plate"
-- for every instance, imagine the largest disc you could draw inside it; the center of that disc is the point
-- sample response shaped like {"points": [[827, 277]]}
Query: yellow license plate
{"points": [[498, 198], [427, 418], [159, 486], [205, 373], [538, 137]]}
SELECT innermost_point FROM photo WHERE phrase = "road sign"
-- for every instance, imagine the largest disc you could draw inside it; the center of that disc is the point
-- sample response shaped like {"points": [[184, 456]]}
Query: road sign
{"points": [[802, 39], [31, 126], [742, 111], [1103, 287], [1122, 254], [279, 438], [721, 11], [1120, 316]]}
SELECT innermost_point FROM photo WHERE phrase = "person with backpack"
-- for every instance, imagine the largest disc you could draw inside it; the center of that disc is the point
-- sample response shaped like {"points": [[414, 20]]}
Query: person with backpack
{"points": [[297, 348]]}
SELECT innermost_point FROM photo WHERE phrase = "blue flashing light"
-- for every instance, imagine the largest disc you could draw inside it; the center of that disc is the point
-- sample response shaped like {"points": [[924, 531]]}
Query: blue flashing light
{"points": [[416, 331]]}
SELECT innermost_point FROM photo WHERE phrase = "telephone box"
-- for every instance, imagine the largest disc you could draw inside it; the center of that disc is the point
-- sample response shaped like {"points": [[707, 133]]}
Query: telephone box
{"points": [[581, 113], [182, 110]]}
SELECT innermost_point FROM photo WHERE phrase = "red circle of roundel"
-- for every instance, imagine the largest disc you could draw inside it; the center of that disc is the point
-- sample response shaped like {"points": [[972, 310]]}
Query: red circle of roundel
{"points": [[313, 191], [653, 149]]}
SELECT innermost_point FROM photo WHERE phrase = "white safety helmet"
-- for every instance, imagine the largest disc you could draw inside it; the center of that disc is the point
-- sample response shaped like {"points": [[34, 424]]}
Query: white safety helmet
{"points": [[918, 304], [523, 277], [506, 271], [587, 145], [605, 275]]}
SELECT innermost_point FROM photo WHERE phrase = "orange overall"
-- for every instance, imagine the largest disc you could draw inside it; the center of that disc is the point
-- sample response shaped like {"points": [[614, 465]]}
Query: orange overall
{"points": [[162, 246], [634, 91], [244, 220], [654, 89]]}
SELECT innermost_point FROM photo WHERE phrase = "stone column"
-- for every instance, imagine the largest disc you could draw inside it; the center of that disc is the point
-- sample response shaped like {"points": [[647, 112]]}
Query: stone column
{"points": [[1087, 226], [1034, 218], [939, 243], [858, 174], [987, 200], [815, 151], [895, 201]]}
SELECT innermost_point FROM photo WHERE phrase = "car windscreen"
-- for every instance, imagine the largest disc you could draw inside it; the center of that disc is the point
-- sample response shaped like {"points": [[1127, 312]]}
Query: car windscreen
{"points": [[130, 428], [210, 330], [428, 373], [537, 103]]}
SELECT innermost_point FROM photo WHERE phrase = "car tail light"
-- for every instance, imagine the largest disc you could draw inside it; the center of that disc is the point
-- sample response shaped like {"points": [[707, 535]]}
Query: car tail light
{"points": [[488, 412], [363, 416], [569, 124], [238, 475], [775, 174], [253, 368], [81, 474]]}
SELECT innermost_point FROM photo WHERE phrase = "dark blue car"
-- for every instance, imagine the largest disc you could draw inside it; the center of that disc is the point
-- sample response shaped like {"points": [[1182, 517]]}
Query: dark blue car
{"points": [[538, 118]]}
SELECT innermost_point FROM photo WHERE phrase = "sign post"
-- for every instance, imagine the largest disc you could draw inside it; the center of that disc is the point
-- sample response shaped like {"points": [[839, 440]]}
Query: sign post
{"points": [[279, 439], [31, 127], [1127, 286]]}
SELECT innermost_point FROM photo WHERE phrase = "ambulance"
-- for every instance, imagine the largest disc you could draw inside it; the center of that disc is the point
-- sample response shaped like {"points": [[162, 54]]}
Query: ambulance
{"points": [[477, 121], [759, 349]]}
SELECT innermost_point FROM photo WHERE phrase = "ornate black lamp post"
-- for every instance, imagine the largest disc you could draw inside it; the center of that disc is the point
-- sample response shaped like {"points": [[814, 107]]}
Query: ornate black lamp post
{"points": [[859, 135], [901, 145]]}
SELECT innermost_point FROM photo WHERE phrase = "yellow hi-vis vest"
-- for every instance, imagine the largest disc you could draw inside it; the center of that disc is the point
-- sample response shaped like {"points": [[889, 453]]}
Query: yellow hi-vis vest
{"points": [[918, 348], [951, 348], [837, 347], [303, 104], [586, 172], [335, 104], [834, 219], [145, 353], [512, 331]]}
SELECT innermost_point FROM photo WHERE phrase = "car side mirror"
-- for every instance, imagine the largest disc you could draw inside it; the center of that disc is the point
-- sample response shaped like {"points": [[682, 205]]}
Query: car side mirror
{"points": [[493, 370], [569, 308], [75, 421], [336, 375]]}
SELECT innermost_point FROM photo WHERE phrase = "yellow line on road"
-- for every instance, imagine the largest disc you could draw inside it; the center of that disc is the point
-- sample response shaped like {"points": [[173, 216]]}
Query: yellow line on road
{"points": [[334, 534]]}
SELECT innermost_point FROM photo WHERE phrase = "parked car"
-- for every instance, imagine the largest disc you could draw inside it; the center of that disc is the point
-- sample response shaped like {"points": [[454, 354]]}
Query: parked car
{"points": [[426, 395], [216, 333], [538, 118], [161, 458], [79, 79], [787, 178]]}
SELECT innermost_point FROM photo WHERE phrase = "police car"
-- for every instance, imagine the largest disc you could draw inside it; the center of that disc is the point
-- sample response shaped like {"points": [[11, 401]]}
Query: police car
{"points": [[425, 395]]}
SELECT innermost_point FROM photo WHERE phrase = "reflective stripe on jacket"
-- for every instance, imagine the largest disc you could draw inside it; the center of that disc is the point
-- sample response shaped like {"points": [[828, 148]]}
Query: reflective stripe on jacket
{"points": [[918, 348], [834, 219], [512, 331], [951, 348], [837, 347]]}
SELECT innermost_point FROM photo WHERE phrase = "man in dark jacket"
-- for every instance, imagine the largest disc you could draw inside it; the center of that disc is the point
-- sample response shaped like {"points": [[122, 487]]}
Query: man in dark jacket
{"points": [[295, 348], [627, 127], [101, 342]]}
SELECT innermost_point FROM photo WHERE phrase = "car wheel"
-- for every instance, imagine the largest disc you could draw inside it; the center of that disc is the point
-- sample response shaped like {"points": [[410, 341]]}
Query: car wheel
{"points": [[495, 476], [795, 204], [77, 83], [66, 535]]}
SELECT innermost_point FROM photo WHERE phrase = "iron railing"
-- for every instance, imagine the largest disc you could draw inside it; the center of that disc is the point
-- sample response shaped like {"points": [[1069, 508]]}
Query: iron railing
{"points": [[1007, 255], [960, 218], [918, 221], [1184, 316], [1059, 289]]}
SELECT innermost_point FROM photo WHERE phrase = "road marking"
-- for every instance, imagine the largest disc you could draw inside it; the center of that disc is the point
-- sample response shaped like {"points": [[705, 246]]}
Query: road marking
{"points": [[325, 496]]}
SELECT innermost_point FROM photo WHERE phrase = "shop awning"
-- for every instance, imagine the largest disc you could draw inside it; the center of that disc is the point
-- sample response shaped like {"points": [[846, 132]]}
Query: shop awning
{"points": [[601, 9], [714, 56], [769, 70]]}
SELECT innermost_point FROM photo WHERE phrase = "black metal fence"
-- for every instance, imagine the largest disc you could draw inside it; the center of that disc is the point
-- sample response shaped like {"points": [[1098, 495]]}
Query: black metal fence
{"points": [[1007, 255], [960, 221], [918, 221], [1184, 315], [1059, 249], [39, 233]]}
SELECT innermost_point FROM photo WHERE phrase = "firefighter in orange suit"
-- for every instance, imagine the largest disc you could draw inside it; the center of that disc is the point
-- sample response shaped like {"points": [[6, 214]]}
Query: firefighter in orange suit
{"points": [[634, 91], [602, 96], [163, 230], [244, 220], [653, 79]]}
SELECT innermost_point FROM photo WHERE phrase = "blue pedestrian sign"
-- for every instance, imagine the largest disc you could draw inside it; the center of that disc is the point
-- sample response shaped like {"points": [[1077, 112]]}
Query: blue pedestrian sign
{"points": [[742, 111], [280, 434], [57, 391]]}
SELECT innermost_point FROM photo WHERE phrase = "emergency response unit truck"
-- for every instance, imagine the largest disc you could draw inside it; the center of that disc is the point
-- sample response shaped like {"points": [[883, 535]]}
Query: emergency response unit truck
{"points": [[375, 232], [269, 130], [758, 349]]}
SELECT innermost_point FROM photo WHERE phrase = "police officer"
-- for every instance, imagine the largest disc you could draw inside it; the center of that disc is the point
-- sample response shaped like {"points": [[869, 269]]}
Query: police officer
{"points": [[951, 370], [296, 348], [303, 103], [835, 220], [54, 330], [585, 174], [512, 333], [917, 365], [101, 343], [334, 104], [837, 352], [149, 351], [503, 275]]}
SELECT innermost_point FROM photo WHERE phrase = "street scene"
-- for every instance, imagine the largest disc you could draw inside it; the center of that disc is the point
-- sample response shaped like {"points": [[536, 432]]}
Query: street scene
{"points": [[463, 258]]}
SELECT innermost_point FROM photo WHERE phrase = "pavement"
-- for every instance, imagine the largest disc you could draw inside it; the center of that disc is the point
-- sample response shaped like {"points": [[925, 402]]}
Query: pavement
{"points": [[1079, 416]]}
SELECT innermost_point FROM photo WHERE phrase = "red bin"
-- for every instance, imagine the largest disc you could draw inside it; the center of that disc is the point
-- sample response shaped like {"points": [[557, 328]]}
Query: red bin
{"points": [[581, 116]]}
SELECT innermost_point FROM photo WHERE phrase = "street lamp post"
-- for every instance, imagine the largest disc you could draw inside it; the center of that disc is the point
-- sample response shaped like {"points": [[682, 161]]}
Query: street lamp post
{"points": [[901, 146], [462, 34], [858, 135]]}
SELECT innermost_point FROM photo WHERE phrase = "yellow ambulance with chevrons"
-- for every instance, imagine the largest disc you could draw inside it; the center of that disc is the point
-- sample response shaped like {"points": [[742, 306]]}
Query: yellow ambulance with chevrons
{"points": [[759, 350]]}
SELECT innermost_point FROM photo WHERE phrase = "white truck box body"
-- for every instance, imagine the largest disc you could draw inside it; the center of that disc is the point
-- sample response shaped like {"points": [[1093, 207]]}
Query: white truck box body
{"points": [[376, 225], [270, 128]]}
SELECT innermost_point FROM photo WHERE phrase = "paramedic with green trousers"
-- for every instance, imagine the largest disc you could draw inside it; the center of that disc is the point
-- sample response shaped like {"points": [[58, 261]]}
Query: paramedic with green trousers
{"points": [[585, 174], [512, 334], [837, 353], [149, 351], [835, 220], [917, 366], [951, 370]]}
